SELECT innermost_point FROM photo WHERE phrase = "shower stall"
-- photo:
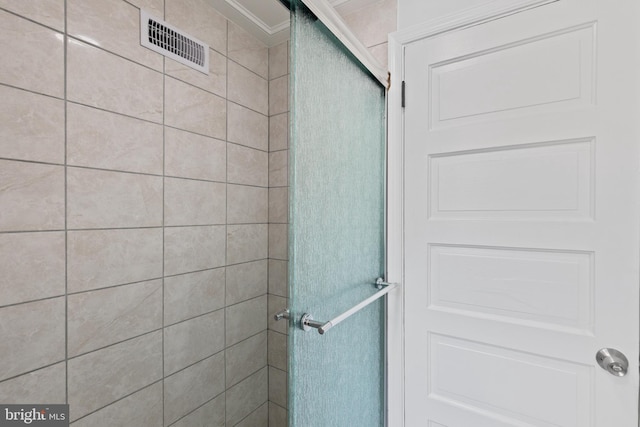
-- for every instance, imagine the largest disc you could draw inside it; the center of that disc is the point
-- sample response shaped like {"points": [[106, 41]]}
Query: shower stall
{"points": [[145, 214]]}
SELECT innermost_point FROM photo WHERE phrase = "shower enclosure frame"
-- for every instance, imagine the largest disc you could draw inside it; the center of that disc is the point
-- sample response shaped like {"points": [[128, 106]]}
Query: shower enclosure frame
{"points": [[393, 334]]}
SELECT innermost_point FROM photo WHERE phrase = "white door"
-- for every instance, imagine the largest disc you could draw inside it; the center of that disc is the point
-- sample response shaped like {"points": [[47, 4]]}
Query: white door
{"points": [[522, 220]]}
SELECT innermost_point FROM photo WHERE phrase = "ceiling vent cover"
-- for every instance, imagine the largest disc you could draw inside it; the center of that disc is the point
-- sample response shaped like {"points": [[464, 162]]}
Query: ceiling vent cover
{"points": [[166, 39]]}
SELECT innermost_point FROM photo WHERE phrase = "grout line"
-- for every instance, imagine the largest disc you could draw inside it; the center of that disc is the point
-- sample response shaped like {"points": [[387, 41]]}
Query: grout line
{"points": [[226, 211], [37, 162], [278, 405], [200, 88], [192, 317], [61, 230], [269, 218], [76, 40], [164, 185], [32, 91], [268, 263], [116, 401], [15, 304], [66, 212], [64, 24], [39, 368], [266, 402], [151, 279], [246, 146], [104, 347], [277, 369], [197, 408], [247, 300], [118, 113], [250, 374], [102, 169], [249, 108]]}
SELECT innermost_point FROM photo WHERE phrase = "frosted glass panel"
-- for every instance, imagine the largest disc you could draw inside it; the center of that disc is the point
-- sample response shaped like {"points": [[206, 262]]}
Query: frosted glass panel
{"points": [[336, 235]]}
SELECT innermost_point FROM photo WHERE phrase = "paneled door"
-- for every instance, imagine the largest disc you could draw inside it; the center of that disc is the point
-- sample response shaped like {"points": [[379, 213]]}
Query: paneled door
{"points": [[521, 220]]}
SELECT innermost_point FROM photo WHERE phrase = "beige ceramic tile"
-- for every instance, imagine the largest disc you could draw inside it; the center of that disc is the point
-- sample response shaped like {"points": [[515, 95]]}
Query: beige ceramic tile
{"points": [[277, 416], [46, 12], [100, 318], [100, 258], [247, 88], [188, 389], [43, 323], [193, 156], [246, 205], [211, 414], [143, 408], [102, 199], [113, 25], [193, 109], [247, 166], [31, 196], [279, 205], [33, 266], [199, 19], [275, 304], [279, 132], [245, 358], [278, 387], [96, 379], [246, 127], [154, 7], [247, 396], [101, 79], [278, 277], [278, 241], [278, 169], [190, 295], [258, 418], [193, 340], [278, 350], [215, 81], [245, 320], [373, 24], [246, 243], [278, 60], [44, 385], [381, 52], [246, 281], [279, 95], [28, 49], [246, 50], [190, 249], [100, 139], [189, 202], [32, 126]]}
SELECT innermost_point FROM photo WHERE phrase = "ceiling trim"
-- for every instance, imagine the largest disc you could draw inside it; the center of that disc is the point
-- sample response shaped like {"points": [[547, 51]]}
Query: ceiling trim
{"points": [[257, 21], [252, 18]]}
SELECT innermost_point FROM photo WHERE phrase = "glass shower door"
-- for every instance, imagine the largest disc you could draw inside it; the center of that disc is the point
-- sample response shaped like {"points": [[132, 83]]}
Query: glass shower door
{"points": [[336, 232]]}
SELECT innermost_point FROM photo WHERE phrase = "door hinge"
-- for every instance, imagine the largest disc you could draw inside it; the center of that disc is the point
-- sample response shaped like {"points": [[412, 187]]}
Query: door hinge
{"points": [[403, 93]]}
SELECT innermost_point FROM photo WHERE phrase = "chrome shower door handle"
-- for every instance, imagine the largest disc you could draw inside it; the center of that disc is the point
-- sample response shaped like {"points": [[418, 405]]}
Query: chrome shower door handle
{"points": [[282, 314], [612, 361]]}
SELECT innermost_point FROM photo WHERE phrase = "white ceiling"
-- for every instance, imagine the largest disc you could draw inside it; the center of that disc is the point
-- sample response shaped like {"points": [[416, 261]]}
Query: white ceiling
{"points": [[268, 20]]}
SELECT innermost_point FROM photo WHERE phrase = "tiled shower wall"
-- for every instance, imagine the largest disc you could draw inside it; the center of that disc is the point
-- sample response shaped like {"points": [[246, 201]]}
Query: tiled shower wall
{"points": [[278, 219], [134, 217], [372, 25]]}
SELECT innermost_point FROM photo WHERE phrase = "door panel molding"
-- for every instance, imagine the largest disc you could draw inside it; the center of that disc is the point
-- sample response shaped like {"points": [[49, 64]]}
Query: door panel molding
{"points": [[583, 111], [472, 16]]}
